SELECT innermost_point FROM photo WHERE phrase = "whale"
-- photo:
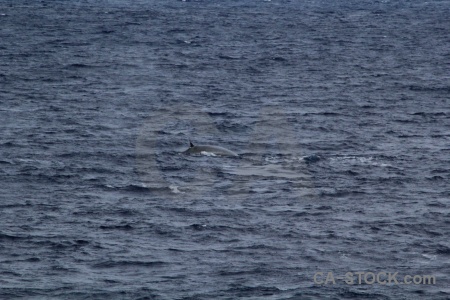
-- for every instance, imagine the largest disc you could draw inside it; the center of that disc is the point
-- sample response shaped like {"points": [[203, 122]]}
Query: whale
{"points": [[209, 149]]}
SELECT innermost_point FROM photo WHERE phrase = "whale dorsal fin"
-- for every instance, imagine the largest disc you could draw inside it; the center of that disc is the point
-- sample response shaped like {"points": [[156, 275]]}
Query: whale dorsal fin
{"points": [[190, 144]]}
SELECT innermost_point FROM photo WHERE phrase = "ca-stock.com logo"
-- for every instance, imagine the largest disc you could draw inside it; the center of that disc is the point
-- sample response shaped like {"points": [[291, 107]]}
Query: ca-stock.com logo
{"points": [[271, 159]]}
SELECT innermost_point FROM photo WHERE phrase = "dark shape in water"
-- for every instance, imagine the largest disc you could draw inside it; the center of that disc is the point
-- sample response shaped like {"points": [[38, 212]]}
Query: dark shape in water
{"points": [[216, 150]]}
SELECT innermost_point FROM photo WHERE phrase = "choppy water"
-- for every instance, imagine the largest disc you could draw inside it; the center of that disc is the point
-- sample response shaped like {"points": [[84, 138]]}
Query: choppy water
{"points": [[339, 112]]}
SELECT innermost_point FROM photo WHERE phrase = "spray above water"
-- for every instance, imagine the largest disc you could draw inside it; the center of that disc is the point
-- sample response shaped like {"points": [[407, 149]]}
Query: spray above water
{"points": [[209, 150]]}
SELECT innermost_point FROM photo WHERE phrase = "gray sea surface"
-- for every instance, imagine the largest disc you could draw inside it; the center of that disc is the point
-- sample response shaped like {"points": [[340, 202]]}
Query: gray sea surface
{"points": [[339, 111]]}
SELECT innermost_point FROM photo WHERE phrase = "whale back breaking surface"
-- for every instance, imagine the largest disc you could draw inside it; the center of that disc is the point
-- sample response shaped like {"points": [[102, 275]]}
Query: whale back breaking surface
{"points": [[217, 150]]}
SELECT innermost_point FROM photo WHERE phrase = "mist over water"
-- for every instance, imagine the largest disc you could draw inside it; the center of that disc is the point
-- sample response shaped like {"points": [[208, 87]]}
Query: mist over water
{"points": [[339, 113]]}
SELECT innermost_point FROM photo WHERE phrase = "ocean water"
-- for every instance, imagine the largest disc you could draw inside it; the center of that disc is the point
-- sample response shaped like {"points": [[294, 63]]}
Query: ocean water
{"points": [[339, 111]]}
